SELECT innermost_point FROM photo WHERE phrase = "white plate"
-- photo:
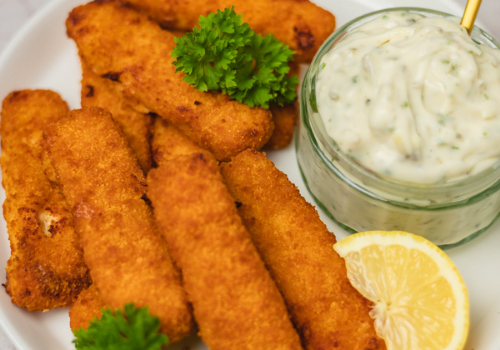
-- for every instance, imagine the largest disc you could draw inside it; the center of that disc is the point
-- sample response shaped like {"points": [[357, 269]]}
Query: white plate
{"points": [[41, 56]]}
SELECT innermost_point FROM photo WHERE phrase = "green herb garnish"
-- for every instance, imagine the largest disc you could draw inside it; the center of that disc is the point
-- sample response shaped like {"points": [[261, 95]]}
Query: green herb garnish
{"points": [[226, 55], [134, 329], [442, 118]]}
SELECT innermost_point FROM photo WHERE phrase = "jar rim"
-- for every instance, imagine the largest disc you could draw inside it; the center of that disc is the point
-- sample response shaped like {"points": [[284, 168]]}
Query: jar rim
{"points": [[456, 192]]}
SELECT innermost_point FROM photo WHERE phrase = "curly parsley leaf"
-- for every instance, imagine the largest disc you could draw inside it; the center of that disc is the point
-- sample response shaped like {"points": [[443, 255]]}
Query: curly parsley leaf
{"points": [[134, 329], [224, 54]]}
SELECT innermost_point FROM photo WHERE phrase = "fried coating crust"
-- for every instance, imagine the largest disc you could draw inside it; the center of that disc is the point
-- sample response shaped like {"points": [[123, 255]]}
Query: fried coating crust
{"points": [[136, 126], [86, 308], [235, 302], [297, 249], [168, 142], [46, 268], [104, 185], [300, 24], [126, 47], [284, 118]]}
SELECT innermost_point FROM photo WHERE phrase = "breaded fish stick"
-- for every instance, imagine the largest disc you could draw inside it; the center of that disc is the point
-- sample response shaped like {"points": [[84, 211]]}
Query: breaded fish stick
{"points": [[297, 249], [46, 267], [87, 307], [103, 183], [284, 118], [302, 25], [118, 43], [169, 143], [235, 302], [136, 126]]}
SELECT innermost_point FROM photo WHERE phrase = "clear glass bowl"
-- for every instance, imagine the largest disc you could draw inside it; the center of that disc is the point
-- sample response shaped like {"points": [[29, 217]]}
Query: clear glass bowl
{"points": [[447, 214]]}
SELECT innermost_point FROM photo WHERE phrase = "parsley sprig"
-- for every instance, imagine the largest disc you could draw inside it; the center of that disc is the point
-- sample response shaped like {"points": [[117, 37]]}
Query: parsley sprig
{"points": [[134, 329], [226, 55]]}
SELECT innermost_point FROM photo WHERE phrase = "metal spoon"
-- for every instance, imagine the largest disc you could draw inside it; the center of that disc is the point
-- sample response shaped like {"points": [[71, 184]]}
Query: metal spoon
{"points": [[470, 14]]}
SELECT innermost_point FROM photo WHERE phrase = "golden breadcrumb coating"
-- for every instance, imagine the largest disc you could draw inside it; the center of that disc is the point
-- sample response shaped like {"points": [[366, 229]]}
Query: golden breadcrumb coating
{"points": [[168, 143], [136, 126], [298, 251], [235, 302], [46, 267], [103, 183], [135, 53], [284, 118], [87, 307], [300, 24]]}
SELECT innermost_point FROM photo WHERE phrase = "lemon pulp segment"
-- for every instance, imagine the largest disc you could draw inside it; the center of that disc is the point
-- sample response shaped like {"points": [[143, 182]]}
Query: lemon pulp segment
{"points": [[420, 300]]}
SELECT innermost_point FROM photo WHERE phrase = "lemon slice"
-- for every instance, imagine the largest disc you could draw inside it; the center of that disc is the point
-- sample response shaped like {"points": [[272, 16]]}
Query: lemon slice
{"points": [[420, 300]]}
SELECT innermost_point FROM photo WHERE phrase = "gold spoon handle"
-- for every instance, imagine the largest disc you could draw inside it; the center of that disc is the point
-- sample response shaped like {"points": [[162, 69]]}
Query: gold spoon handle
{"points": [[470, 14]]}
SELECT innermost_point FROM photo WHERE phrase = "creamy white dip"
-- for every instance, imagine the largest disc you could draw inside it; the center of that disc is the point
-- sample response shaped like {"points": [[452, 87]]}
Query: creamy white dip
{"points": [[412, 98]]}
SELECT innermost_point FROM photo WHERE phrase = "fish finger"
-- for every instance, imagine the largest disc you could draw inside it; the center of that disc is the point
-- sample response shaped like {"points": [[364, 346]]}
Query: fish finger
{"points": [[87, 307], [128, 259], [168, 143], [46, 267], [136, 126], [284, 118], [235, 302], [302, 25], [298, 251], [135, 53]]}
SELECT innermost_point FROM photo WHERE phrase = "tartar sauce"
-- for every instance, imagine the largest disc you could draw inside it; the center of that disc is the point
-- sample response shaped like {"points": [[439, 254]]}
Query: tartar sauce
{"points": [[412, 98]]}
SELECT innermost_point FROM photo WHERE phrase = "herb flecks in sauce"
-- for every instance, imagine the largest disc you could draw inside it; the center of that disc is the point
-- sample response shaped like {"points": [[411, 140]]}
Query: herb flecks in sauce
{"points": [[395, 92]]}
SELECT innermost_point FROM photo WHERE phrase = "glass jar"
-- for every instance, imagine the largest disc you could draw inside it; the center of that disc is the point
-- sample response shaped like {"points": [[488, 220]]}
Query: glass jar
{"points": [[448, 214]]}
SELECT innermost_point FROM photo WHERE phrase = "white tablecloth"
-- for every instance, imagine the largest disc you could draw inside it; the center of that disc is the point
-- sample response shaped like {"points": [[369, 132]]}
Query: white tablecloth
{"points": [[15, 13]]}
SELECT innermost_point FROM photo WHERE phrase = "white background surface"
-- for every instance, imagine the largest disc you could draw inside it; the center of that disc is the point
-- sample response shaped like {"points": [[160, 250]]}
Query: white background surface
{"points": [[15, 13]]}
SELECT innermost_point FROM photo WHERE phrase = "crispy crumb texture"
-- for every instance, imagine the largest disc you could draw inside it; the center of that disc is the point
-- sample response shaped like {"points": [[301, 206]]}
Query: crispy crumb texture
{"points": [[136, 57], [298, 251], [46, 267], [300, 24], [97, 92], [235, 301], [128, 259]]}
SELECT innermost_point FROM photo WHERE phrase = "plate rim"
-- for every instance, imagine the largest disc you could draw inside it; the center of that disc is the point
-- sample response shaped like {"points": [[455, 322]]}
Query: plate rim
{"points": [[10, 49]]}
